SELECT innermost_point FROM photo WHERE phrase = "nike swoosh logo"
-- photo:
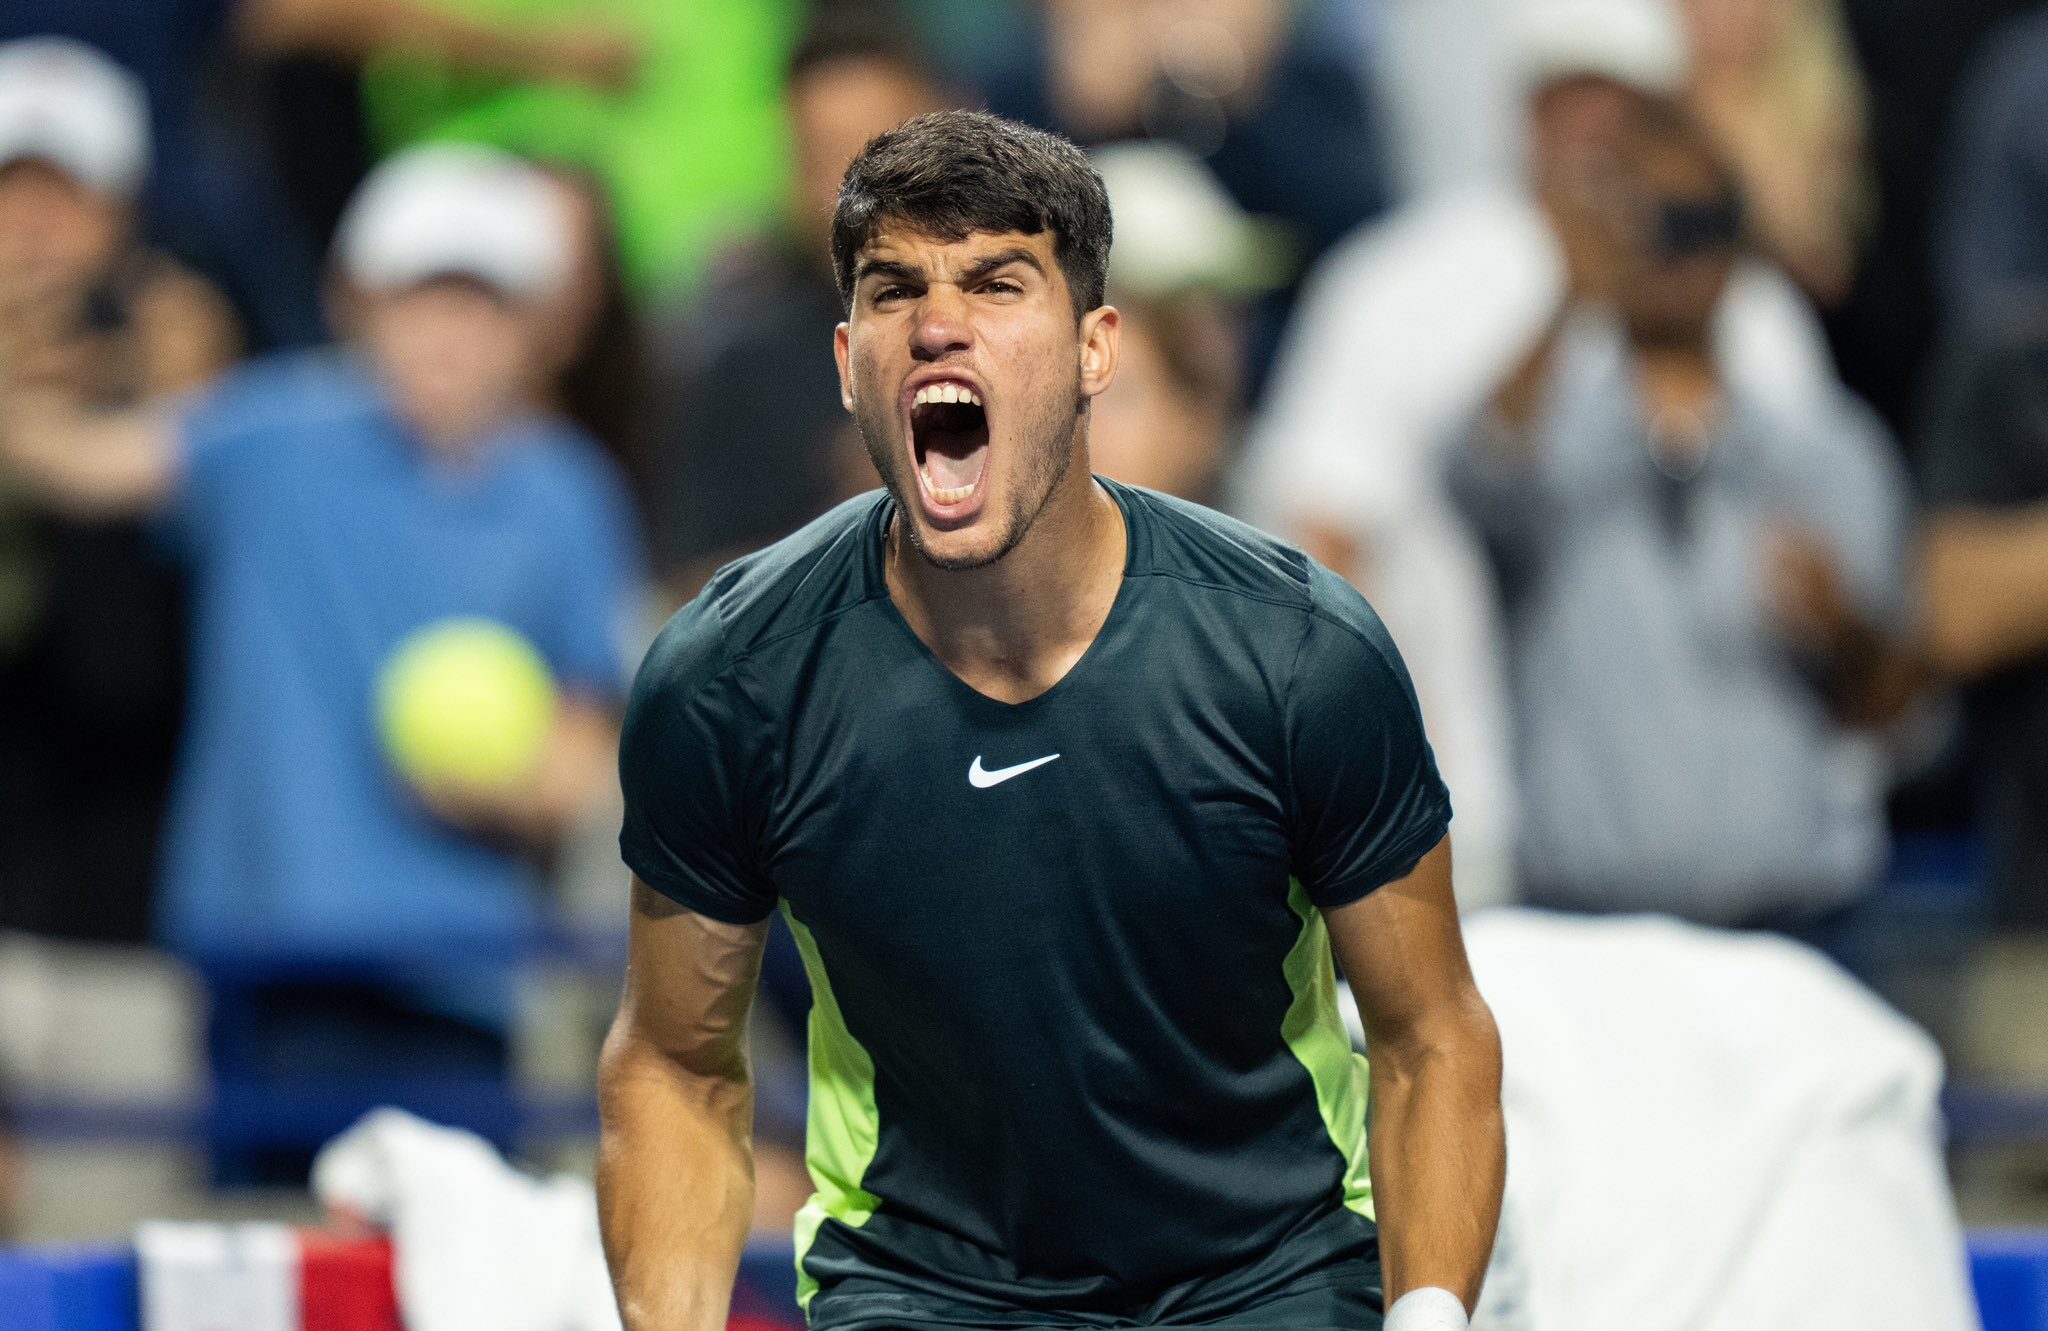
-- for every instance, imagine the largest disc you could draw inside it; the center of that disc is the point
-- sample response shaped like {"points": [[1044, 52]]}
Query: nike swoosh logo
{"points": [[981, 778]]}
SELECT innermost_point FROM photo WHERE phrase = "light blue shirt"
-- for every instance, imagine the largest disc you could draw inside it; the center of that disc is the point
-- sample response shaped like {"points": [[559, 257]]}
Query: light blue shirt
{"points": [[320, 534], [1674, 755]]}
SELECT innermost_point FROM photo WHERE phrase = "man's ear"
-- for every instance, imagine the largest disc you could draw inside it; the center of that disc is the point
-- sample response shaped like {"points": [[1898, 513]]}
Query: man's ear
{"points": [[839, 354], [1101, 340]]}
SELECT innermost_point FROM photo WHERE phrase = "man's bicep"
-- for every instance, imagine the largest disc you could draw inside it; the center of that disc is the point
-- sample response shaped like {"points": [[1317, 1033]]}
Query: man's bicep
{"points": [[1402, 950], [690, 983]]}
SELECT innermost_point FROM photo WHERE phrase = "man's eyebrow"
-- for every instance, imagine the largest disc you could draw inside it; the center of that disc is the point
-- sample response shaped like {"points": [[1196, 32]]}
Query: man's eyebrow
{"points": [[981, 268], [890, 268]]}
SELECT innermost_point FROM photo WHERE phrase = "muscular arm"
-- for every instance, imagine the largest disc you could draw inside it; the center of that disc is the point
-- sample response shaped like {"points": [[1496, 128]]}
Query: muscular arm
{"points": [[1984, 586], [1439, 1153], [675, 1177]]}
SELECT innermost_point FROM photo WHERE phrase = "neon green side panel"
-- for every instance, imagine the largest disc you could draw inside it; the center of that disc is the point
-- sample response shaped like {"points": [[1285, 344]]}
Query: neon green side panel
{"points": [[843, 1127], [1314, 1030]]}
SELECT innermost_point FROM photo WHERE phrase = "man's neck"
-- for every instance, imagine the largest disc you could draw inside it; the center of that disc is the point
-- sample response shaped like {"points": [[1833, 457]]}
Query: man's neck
{"points": [[1681, 398], [1012, 630]]}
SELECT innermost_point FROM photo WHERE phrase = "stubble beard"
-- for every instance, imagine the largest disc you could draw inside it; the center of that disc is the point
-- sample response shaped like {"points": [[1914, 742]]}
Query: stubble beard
{"points": [[1047, 441]]}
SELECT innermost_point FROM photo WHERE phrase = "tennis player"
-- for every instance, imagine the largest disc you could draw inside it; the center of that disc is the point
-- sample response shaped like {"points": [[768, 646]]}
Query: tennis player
{"points": [[1066, 790]]}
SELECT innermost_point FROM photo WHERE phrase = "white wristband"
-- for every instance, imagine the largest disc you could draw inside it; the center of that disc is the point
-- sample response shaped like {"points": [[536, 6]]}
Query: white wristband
{"points": [[1428, 1309]]}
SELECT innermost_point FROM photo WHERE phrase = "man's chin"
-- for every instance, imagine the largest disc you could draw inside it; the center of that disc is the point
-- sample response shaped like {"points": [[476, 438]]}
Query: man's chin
{"points": [[962, 549]]}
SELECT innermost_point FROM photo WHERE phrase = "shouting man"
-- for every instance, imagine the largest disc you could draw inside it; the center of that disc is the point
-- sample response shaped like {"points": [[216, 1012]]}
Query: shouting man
{"points": [[1066, 790]]}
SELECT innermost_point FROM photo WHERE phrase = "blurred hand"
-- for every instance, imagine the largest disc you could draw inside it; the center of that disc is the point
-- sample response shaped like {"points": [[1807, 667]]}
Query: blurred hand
{"points": [[575, 772], [1804, 589], [482, 812]]}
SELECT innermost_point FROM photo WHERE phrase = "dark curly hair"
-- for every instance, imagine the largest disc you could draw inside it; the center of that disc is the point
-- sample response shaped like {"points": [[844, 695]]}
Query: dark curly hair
{"points": [[951, 174]]}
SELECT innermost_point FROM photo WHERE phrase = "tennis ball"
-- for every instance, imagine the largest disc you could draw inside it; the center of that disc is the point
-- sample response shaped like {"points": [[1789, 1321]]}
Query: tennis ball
{"points": [[466, 702]]}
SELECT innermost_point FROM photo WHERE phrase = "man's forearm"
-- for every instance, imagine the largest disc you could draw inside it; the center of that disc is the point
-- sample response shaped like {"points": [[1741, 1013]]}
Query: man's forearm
{"points": [[1984, 585], [675, 1187], [1439, 1159]]}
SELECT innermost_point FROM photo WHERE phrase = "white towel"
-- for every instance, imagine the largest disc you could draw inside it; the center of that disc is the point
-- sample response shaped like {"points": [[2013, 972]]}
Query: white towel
{"points": [[478, 1244], [1711, 1132]]}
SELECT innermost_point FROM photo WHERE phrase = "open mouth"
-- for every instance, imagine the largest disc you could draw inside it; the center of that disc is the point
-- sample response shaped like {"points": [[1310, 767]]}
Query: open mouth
{"points": [[949, 441]]}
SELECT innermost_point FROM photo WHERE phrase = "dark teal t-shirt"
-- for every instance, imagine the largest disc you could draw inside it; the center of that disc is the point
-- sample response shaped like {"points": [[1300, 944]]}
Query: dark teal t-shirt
{"points": [[1075, 1052]]}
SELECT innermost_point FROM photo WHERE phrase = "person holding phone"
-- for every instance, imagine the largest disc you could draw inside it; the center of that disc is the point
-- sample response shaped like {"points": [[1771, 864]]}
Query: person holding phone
{"points": [[1701, 578]]}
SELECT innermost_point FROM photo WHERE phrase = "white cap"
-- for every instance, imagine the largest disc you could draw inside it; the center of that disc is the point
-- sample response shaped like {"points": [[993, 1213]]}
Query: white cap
{"points": [[457, 209], [1639, 43], [1176, 228], [64, 103]]}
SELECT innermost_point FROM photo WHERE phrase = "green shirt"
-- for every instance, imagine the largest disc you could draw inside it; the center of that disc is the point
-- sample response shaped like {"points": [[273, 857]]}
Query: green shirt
{"points": [[693, 152]]}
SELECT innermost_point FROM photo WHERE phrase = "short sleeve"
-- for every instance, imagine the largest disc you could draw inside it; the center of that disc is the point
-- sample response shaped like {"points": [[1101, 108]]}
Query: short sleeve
{"points": [[1368, 802], [692, 788]]}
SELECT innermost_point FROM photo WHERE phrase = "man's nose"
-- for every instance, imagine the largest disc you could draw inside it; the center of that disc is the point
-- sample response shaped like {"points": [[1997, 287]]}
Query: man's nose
{"points": [[942, 325]]}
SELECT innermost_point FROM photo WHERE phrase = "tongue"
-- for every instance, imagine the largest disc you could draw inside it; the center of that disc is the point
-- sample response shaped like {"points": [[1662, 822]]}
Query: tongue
{"points": [[950, 471]]}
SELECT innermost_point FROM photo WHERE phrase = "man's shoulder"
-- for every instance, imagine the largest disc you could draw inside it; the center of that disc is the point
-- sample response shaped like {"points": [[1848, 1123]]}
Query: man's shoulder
{"points": [[1199, 546], [1190, 543], [799, 583]]}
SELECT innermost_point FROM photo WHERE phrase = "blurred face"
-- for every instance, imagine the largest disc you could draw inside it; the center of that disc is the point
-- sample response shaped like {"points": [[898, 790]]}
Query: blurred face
{"points": [[1681, 224], [1153, 429], [1577, 127], [457, 357], [55, 232], [834, 109], [969, 377]]}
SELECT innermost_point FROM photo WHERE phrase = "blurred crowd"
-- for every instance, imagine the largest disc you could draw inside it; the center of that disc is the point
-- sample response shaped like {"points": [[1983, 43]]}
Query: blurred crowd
{"points": [[1671, 374]]}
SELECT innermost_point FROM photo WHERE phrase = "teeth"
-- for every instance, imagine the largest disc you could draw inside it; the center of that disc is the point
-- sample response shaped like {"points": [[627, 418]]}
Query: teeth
{"points": [[946, 393], [952, 496]]}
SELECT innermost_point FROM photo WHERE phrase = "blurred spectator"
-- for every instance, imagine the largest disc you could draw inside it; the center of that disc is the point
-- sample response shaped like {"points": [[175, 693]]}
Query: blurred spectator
{"points": [[1280, 118], [330, 505], [1185, 261], [1994, 240], [1914, 59], [1408, 328], [1699, 582], [1776, 84], [691, 146], [1171, 419], [604, 380], [1254, 88], [211, 201], [1984, 578], [298, 78], [755, 440], [91, 650], [217, 202]]}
